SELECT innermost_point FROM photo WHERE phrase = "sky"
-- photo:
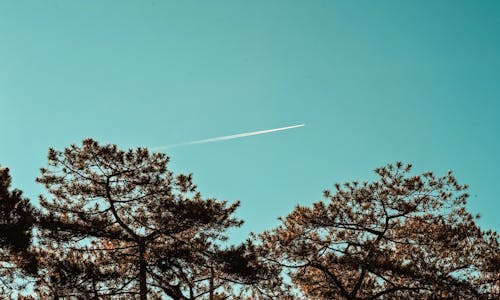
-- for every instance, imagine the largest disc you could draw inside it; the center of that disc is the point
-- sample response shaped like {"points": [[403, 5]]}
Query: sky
{"points": [[374, 82]]}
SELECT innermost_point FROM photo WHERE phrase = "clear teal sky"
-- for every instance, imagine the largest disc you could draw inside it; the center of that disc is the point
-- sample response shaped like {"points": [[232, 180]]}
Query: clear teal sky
{"points": [[375, 82]]}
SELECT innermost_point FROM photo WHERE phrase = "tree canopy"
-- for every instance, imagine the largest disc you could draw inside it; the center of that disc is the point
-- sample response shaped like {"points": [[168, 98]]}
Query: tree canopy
{"points": [[118, 224], [16, 222], [401, 237], [130, 228]]}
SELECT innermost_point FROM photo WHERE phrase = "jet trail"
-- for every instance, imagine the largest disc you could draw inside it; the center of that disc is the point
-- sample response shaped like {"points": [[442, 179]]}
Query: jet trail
{"points": [[229, 137]]}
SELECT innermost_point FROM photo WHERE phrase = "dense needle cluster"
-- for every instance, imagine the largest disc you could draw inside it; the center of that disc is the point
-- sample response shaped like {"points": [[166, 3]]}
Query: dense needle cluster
{"points": [[16, 222]]}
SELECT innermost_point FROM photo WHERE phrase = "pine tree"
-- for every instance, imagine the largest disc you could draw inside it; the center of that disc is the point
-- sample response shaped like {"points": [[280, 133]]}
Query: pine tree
{"points": [[401, 237], [119, 224], [16, 222]]}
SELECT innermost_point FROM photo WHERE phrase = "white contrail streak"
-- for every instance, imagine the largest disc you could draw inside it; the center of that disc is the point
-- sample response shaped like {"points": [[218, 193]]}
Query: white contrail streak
{"points": [[229, 137]]}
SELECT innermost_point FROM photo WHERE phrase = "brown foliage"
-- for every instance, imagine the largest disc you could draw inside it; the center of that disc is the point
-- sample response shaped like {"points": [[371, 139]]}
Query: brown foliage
{"points": [[403, 236], [120, 224]]}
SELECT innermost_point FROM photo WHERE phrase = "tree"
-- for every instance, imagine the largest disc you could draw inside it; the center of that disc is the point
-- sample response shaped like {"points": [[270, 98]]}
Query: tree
{"points": [[120, 224], [401, 237], [16, 222]]}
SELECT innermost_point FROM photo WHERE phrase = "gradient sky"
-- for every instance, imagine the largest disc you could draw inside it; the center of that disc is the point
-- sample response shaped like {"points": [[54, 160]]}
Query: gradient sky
{"points": [[375, 82]]}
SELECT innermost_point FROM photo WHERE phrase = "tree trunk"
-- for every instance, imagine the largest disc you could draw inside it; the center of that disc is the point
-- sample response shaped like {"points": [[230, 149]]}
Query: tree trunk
{"points": [[211, 294], [94, 287], [56, 294], [143, 289]]}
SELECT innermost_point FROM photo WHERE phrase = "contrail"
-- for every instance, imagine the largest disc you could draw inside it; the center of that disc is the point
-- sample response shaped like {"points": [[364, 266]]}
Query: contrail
{"points": [[229, 137]]}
